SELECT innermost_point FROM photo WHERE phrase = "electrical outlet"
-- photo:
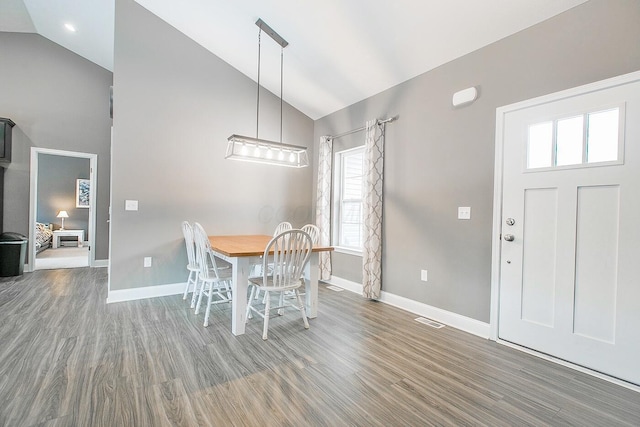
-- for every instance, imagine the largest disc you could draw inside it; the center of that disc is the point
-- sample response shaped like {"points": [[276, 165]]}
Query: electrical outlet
{"points": [[147, 261], [423, 275]]}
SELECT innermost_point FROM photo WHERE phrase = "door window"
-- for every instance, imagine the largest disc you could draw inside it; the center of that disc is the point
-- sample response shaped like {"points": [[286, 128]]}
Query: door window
{"points": [[589, 139]]}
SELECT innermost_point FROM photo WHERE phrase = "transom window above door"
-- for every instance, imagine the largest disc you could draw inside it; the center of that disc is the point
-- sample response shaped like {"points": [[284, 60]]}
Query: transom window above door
{"points": [[592, 138]]}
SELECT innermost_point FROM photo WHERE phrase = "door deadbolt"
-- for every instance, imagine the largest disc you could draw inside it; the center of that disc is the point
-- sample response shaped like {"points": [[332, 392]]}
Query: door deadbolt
{"points": [[510, 221]]}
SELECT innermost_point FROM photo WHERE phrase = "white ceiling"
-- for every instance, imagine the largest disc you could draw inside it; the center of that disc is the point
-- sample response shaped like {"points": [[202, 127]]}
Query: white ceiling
{"points": [[340, 52]]}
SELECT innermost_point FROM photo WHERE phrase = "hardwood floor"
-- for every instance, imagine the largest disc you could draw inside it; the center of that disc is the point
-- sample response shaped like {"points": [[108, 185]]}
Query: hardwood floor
{"points": [[69, 359]]}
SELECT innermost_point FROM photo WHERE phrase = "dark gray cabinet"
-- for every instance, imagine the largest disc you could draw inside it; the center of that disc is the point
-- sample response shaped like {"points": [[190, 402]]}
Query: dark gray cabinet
{"points": [[5, 141]]}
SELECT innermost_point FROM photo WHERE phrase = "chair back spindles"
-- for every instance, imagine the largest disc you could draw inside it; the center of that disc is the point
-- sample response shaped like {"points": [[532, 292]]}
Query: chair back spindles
{"points": [[282, 227], [192, 262], [187, 232], [313, 231], [206, 260]]}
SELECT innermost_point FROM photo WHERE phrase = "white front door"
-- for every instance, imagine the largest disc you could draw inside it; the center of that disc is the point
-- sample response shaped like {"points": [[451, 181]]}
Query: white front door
{"points": [[570, 249]]}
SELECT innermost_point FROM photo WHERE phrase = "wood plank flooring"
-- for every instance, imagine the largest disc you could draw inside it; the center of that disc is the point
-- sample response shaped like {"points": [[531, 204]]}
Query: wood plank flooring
{"points": [[69, 359]]}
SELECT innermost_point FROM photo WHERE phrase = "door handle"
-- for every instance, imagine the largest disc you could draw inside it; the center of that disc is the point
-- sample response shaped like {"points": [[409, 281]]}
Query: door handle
{"points": [[509, 237]]}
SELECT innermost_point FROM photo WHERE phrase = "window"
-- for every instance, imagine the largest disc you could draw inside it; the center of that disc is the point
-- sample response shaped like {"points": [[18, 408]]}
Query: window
{"points": [[603, 129], [348, 209], [582, 140], [540, 145], [569, 141]]}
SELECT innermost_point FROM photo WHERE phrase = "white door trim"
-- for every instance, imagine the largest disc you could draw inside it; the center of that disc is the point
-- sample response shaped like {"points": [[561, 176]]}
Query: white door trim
{"points": [[93, 164], [496, 245]]}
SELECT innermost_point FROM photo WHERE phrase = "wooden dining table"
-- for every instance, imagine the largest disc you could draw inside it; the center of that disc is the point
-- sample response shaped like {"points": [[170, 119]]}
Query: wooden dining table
{"points": [[245, 251]]}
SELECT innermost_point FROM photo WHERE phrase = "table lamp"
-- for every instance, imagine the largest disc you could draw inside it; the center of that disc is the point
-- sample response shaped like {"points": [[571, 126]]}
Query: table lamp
{"points": [[63, 215]]}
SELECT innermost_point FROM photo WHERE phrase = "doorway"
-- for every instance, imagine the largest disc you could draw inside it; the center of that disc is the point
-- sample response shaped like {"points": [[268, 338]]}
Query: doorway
{"points": [[62, 209], [565, 268]]}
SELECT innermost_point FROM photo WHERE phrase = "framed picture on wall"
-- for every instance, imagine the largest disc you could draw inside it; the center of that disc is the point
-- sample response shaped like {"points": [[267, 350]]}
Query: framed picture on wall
{"points": [[82, 193]]}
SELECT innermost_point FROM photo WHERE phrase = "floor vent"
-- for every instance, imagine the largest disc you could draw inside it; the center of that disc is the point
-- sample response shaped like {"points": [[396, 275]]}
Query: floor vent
{"points": [[429, 322], [335, 288]]}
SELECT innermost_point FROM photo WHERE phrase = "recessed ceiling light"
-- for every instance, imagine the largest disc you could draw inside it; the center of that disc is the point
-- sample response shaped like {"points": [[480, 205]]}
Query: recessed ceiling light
{"points": [[70, 27]]}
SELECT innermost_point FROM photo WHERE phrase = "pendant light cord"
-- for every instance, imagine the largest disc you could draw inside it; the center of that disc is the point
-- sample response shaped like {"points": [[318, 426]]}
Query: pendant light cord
{"points": [[281, 86], [281, 83], [258, 97]]}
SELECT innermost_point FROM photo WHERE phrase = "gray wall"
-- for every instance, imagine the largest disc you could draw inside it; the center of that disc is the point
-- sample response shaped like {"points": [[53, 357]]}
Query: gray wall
{"points": [[57, 177], [58, 100], [439, 158], [175, 104]]}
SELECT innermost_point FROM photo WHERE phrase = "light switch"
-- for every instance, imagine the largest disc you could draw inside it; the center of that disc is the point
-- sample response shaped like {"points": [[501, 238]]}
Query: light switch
{"points": [[423, 275], [464, 212], [147, 261], [130, 205]]}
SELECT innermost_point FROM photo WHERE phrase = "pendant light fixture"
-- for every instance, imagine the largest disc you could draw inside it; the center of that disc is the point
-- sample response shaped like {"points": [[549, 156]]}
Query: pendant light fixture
{"points": [[257, 150]]}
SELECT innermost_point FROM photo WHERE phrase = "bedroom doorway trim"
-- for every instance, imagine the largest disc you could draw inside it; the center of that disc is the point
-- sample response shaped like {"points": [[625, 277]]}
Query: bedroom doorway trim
{"points": [[33, 197]]}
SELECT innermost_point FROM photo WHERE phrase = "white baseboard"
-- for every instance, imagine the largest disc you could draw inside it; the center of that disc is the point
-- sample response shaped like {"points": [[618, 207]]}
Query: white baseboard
{"points": [[345, 284], [449, 318], [122, 295]]}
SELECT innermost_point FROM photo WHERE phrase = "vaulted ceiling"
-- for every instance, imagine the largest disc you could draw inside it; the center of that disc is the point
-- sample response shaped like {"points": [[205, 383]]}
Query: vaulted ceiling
{"points": [[340, 52]]}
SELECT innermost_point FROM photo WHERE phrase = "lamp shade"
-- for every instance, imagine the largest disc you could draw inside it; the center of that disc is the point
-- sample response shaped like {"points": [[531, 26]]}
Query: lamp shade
{"points": [[63, 215]]}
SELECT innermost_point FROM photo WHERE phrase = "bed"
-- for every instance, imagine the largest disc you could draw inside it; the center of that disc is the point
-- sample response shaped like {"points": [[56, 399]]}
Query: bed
{"points": [[44, 236]]}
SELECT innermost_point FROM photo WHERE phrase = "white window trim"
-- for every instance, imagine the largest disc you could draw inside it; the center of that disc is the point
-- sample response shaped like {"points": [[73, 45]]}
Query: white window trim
{"points": [[348, 251], [335, 209]]}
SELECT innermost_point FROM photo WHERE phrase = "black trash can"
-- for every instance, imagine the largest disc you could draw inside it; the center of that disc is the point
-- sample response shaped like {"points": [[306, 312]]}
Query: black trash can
{"points": [[13, 247]]}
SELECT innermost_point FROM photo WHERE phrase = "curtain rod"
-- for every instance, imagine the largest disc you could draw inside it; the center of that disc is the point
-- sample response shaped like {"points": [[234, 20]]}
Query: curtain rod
{"points": [[379, 122]]}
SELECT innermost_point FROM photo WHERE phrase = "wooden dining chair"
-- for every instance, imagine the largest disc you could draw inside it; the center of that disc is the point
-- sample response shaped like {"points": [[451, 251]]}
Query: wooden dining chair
{"points": [[291, 251], [192, 263], [313, 231], [256, 269], [215, 282]]}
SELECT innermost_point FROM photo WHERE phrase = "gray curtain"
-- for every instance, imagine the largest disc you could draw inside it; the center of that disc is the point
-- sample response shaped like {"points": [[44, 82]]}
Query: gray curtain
{"points": [[374, 173], [323, 203]]}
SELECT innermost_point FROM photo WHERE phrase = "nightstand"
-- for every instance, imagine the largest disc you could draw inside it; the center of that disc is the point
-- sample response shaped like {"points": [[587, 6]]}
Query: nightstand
{"points": [[59, 233]]}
